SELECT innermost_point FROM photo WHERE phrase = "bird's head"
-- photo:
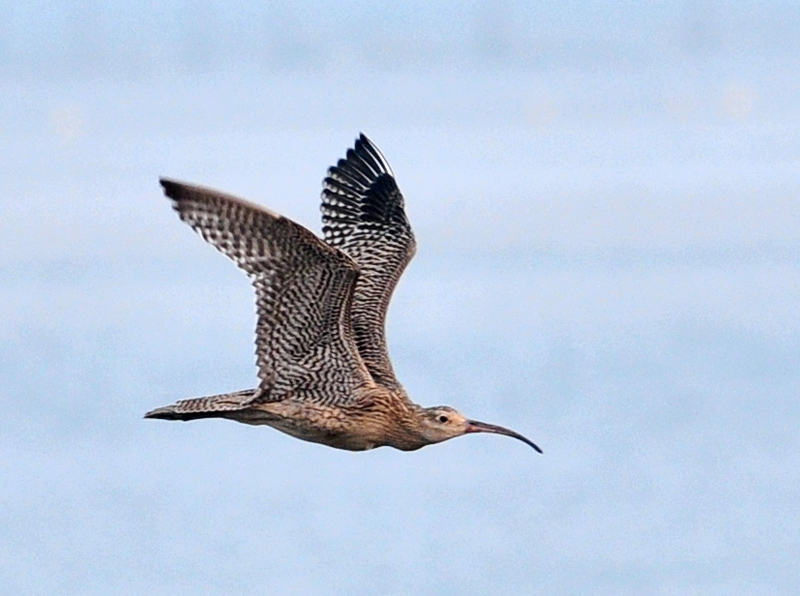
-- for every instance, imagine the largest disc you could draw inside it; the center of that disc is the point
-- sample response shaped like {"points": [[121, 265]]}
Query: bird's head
{"points": [[443, 422]]}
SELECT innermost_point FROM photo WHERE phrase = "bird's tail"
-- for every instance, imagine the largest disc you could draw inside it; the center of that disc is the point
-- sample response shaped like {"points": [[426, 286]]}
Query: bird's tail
{"points": [[212, 406]]}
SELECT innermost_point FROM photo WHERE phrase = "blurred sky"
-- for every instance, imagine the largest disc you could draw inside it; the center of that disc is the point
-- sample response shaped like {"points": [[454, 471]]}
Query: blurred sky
{"points": [[127, 39], [607, 205]]}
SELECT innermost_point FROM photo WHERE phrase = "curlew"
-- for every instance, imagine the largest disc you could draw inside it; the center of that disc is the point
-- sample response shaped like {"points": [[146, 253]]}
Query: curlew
{"points": [[324, 370]]}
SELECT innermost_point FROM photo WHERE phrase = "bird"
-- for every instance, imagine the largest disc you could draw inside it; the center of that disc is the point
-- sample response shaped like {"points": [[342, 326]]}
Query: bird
{"points": [[324, 370]]}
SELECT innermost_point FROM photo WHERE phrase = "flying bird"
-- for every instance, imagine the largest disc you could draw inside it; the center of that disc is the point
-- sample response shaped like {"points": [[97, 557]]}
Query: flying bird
{"points": [[324, 370]]}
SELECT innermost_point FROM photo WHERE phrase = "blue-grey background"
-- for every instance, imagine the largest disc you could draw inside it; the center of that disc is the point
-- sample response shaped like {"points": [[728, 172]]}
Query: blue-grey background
{"points": [[607, 202]]}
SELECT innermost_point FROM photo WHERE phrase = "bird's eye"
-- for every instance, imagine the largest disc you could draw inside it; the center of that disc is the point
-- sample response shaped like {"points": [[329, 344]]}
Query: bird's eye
{"points": [[442, 418]]}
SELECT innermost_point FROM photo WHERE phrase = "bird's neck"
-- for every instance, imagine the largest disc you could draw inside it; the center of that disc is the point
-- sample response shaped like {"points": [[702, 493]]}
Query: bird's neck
{"points": [[406, 434], [392, 417]]}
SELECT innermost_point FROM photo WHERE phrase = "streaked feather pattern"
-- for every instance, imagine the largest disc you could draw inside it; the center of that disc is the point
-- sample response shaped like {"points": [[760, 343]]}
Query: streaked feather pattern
{"points": [[320, 346], [363, 215], [304, 289]]}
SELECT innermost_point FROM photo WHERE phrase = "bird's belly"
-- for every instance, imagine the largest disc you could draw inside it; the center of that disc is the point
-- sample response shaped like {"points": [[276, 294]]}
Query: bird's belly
{"points": [[340, 439], [318, 425]]}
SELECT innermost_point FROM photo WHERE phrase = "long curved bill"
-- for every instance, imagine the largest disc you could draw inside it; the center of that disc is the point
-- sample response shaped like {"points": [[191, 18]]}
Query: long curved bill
{"points": [[473, 426]]}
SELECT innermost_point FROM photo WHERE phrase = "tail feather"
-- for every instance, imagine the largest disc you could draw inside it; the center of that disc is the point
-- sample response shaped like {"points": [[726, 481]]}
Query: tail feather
{"points": [[212, 406]]}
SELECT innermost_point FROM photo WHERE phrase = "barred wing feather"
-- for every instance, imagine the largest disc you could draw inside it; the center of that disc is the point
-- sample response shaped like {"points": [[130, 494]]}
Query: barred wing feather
{"points": [[363, 215], [304, 288]]}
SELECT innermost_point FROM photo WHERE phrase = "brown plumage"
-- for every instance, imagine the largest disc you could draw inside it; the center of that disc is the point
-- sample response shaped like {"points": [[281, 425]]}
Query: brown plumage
{"points": [[325, 374]]}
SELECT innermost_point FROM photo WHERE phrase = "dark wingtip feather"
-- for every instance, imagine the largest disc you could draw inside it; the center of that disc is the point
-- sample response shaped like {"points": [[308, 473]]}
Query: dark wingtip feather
{"points": [[363, 140], [172, 188]]}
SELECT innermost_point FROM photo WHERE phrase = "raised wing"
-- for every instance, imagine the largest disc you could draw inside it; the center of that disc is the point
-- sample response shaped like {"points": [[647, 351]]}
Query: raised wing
{"points": [[363, 216], [304, 289]]}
